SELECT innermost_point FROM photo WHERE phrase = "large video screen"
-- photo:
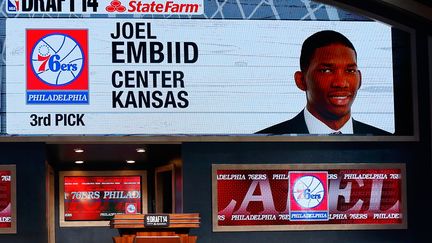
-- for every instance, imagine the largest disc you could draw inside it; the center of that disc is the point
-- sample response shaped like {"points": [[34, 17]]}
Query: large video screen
{"points": [[100, 198], [257, 78], [90, 197]]}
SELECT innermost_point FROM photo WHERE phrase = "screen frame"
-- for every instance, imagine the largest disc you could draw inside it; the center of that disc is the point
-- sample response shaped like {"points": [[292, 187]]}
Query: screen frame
{"points": [[159, 197], [179, 138], [89, 223], [309, 227]]}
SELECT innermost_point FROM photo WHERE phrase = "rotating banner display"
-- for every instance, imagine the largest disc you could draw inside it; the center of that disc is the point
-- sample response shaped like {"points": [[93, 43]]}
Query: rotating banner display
{"points": [[176, 76], [308, 197]]}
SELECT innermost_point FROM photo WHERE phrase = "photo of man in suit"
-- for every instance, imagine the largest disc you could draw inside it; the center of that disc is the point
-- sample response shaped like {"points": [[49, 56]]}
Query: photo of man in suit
{"points": [[330, 78]]}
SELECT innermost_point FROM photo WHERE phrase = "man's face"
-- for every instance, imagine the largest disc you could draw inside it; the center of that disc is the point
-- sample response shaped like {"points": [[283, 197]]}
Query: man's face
{"points": [[331, 82]]}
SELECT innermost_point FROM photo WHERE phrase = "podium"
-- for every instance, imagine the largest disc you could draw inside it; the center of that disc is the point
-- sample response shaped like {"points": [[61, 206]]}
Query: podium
{"points": [[155, 228]]}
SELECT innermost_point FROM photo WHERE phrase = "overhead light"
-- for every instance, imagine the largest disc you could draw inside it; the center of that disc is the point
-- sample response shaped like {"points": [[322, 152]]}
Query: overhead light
{"points": [[79, 150], [79, 162], [140, 150], [130, 161]]}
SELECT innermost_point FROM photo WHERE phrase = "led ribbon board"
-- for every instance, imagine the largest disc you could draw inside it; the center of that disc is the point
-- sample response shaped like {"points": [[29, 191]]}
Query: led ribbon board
{"points": [[308, 197], [8, 219]]}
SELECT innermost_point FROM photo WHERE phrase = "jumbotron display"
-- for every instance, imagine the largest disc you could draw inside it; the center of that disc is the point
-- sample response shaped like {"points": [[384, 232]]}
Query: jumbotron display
{"points": [[262, 78]]}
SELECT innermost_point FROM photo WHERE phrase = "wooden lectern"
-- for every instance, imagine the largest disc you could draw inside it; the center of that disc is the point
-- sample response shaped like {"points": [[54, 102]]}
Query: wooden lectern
{"points": [[155, 228]]}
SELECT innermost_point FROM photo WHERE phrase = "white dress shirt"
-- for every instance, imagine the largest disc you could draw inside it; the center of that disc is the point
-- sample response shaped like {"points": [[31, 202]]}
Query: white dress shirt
{"points": [[316, 126]]}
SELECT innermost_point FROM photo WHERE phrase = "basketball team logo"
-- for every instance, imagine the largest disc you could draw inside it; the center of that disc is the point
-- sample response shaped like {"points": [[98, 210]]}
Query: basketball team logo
{"points": [[131, 208], [57, 66], [308, 195]]}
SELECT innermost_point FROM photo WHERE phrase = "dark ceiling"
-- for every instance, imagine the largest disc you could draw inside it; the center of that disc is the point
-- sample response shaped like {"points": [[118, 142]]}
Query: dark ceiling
{"points": [[112, 154], [425, 2]]}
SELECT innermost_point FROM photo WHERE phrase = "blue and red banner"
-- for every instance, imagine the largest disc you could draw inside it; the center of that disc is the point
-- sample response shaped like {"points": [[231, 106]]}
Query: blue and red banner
{"points": [[57, 66]]}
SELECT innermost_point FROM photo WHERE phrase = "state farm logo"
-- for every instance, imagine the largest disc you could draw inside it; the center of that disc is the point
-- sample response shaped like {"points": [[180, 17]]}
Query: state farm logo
{"points": [[156, 6], [115, 6]]}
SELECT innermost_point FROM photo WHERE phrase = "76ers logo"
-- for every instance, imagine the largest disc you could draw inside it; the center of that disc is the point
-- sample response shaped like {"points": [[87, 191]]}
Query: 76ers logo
{"points": [[308, 195], [308, 191], [57, 69], [131, 208], [57, 59]]}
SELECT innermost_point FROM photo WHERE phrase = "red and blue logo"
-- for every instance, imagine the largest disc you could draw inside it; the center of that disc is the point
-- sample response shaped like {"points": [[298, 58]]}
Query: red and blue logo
{"points": [[57, 66], [131, 208], [13, 5], [308, 196]]}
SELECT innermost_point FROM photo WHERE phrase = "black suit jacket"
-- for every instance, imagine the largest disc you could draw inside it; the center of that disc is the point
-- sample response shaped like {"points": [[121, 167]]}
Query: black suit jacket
{"points": [[297, 125]]}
